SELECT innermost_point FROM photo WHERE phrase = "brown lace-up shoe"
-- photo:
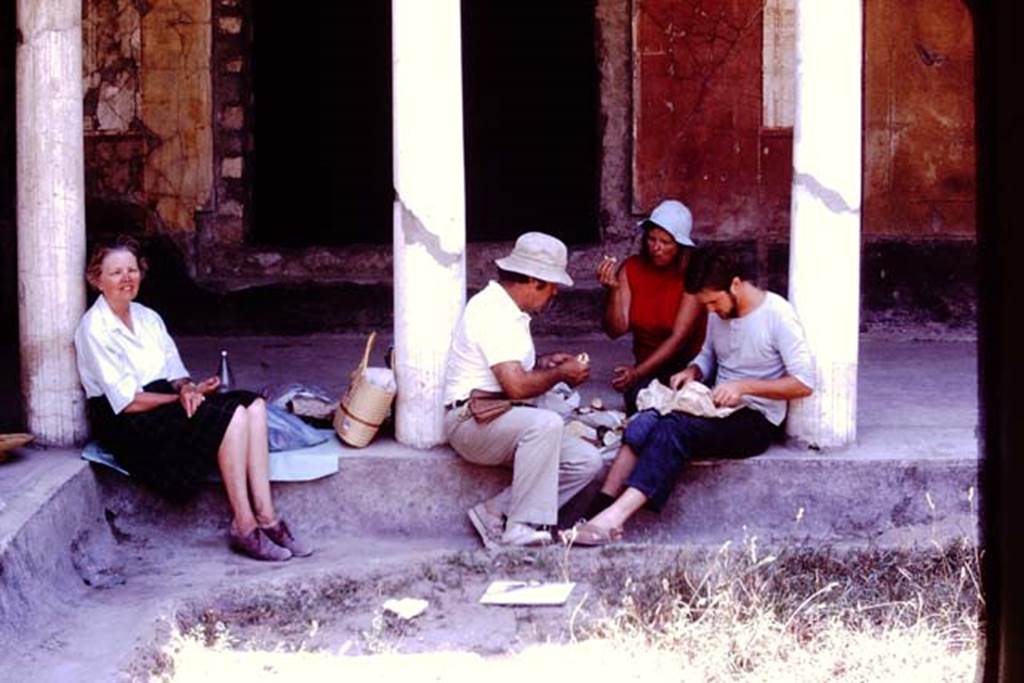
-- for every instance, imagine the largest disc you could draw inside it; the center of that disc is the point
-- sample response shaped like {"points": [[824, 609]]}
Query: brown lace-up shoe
{"points": [[258, 546], [283, 536]]}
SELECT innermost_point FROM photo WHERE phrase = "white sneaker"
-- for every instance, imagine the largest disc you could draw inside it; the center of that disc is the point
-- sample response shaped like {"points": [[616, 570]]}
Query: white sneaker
{"points": [[519, 534]]}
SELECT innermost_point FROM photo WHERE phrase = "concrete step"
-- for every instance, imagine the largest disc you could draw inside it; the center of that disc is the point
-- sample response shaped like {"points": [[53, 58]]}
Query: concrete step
{"points": [[884, 491], [65, 515]]}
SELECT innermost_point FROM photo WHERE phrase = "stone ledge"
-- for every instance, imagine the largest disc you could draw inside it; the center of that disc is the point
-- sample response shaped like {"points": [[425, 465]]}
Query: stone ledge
{"points": [[51, 504], [859, 496]]}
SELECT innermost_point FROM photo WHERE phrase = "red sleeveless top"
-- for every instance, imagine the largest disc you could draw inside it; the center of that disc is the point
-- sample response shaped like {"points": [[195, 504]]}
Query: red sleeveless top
{"points": [[655, 295]]}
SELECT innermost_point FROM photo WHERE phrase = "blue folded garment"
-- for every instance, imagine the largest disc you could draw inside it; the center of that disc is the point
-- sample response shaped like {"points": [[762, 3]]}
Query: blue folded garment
{"points": [[298, 464], [287, 432]]}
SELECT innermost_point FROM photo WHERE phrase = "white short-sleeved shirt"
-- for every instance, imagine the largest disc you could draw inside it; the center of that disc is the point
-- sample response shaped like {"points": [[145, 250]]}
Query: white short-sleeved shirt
{"points": [[492, 330], [116, 362], [766, 343]]}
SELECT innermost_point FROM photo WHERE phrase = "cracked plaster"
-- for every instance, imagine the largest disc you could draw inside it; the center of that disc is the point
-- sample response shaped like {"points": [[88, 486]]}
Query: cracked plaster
{"points": [[826, 195], [415, 233], [147, 85], [111, 57]]}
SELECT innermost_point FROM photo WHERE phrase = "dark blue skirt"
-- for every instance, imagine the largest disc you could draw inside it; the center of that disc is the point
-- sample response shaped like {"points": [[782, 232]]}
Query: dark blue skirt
{"points": [[164, 448]]}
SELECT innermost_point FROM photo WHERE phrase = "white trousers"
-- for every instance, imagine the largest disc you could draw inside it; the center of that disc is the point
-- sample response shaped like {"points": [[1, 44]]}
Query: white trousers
{"points": [[549, 467]]}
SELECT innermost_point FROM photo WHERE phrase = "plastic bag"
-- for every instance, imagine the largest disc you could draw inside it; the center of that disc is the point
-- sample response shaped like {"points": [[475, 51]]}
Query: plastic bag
{"points": [[560, 398]]}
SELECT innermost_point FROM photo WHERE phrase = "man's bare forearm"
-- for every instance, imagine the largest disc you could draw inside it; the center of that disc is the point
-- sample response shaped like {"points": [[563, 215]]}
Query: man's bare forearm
{"points": [[784, 389]]}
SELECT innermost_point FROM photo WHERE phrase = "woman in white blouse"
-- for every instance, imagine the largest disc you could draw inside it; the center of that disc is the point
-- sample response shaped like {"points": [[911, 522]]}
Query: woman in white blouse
{"points": [[168, 431]]}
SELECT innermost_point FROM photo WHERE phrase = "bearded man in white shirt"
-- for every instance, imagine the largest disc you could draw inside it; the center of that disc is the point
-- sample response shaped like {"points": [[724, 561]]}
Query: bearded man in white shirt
{"points": [[492, 357]]}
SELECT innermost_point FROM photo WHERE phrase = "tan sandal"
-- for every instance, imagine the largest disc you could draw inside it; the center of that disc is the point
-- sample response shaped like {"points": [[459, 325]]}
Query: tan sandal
{"points": [[586, 534]]}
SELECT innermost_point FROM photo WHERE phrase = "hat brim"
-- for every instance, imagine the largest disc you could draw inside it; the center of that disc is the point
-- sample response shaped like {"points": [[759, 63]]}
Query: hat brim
{"points": [[539, 271], [681, 240]]}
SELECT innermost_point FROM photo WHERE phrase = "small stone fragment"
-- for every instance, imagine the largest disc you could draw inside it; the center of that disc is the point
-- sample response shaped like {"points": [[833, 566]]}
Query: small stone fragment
{"points": [[406, 608]]}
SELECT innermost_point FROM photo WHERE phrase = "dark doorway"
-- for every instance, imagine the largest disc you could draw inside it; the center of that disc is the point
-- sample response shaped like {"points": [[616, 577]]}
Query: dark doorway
{"points": [[530, 88], [321, 161]]}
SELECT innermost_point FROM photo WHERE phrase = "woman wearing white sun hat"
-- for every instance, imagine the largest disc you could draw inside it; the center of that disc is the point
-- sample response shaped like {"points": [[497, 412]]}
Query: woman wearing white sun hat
{"points": [[645, 296]]}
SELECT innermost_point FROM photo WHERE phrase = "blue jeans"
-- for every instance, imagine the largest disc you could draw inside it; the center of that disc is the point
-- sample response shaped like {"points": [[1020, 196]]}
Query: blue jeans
{"points": [[665, 443]]}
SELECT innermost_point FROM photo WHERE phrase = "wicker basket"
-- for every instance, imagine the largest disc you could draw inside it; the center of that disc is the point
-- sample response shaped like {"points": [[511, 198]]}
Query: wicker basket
{"points": [[9, 442], [363, 407]]}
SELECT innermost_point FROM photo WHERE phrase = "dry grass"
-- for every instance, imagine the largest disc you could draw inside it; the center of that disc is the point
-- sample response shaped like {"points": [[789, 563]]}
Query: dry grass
{"points": [[732, 615], [810, 616]]}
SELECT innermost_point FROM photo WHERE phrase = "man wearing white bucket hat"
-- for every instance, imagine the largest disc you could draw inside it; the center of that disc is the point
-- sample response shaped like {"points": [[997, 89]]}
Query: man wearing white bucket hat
{"points": [[493, 371]]}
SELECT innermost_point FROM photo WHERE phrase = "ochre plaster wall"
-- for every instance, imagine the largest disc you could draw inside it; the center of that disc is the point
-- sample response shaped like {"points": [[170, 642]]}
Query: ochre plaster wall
{"points": [[919, 176], [176, 106]]}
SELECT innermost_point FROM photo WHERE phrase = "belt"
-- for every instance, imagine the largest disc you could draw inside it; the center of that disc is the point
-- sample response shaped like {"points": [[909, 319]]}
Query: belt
{"points": [[456, 404]]}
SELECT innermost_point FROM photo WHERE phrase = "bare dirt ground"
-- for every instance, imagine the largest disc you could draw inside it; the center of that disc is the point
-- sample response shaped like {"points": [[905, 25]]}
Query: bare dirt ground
{"points": [[621, 587]]}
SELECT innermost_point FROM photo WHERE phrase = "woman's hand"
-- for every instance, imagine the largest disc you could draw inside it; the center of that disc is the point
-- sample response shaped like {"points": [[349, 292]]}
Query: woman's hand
{"points": [[191, 398], [607, 273], [624, 376], [192, 395], [208, 385]]}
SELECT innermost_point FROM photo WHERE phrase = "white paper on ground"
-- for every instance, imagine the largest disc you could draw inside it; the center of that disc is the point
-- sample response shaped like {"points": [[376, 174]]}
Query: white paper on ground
{"points": [[526, 593]]}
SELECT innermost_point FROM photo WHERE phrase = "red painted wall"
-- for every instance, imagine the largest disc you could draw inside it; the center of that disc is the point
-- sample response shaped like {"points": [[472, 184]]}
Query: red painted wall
{"points": [[697, 110], [697, 119]]}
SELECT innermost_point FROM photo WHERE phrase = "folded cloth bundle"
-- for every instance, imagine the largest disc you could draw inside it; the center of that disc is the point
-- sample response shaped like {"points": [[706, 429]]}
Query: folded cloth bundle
{"points": [[694, 398]]}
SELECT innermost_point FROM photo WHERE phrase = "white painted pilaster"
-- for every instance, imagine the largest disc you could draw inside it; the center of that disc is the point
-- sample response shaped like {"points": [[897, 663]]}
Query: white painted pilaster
{"points": [[824, 264], [50, 215], [429, 218]]}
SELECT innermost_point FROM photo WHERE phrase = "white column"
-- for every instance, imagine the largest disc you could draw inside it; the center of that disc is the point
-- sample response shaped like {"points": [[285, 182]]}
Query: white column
{"points": [[824, 260], [51, 215], [429, 218]]}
